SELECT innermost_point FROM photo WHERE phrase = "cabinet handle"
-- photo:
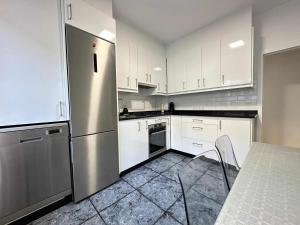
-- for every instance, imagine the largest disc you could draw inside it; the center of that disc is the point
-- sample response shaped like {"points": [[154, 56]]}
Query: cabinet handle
{"points": [[182, 85], [197, 144], [197, 120], [31, 139], [139, 126], [146, 77], [69, 11], [150, 78], [223, 79], [61, 112], [200, 128], [198, 83], [159, 86], [128, 81], [220, 124], [203, 82], [95, 63], [136, 82]]}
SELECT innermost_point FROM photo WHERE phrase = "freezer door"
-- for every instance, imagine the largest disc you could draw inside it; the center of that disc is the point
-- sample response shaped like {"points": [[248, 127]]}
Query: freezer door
{"points": [[92, 83], [95, 163]]}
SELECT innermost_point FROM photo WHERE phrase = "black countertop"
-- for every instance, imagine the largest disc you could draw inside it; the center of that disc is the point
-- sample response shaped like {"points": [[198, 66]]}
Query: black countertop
{"points": [[207, 113]]}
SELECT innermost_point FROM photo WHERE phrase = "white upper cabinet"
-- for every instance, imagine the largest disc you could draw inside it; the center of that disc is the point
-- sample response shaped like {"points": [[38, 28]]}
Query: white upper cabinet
{"points": [[33, 80], [193, 63], [223, 61], [236, 52], [82, 15], [211, 64], [140, 61]]}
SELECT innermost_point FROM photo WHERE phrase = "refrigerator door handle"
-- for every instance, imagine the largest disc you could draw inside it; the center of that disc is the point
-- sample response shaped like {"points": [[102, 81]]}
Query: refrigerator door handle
{"points": [[95, 63]]}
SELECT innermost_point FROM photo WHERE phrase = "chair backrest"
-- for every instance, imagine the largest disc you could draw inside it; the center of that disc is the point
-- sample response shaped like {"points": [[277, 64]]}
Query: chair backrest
{"points": [[204, 188], [224, 147]]}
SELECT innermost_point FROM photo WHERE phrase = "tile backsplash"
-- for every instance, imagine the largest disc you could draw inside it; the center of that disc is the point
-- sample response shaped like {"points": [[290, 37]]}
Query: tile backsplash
{"points": [[235, 98], [139, 102]]}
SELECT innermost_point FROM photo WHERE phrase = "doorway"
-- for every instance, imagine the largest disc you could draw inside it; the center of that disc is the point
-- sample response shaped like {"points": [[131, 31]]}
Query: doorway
{"points": [[281, 98]]}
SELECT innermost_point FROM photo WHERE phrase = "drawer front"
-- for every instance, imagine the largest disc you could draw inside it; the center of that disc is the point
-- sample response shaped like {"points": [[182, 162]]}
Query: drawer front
{"points": [[195, 146], [204, 132], [199, 120]]}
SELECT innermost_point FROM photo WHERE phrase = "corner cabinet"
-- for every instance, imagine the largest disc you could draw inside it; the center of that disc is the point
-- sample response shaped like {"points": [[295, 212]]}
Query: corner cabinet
{"points": [[80, 14], [33, 79]]}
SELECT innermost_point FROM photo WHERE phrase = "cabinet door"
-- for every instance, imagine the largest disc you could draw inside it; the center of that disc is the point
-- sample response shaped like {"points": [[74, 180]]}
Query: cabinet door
{"points": [[80, 14], [211, 75], [240, 134], [133, 143], [193, 68], [142, 65], [123, 63], [33, 79], [133, 66], [236, 57], [172, 73], [176, 132], [159, 73]]}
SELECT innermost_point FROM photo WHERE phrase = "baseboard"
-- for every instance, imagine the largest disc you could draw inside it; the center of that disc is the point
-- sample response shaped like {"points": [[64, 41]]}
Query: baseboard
{"points": [[41, 212]]}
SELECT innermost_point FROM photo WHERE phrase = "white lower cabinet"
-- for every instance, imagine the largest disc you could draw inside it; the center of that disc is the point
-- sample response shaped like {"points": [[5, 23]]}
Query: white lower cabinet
{"points": [[176, 132], [133, 142], [195, 135], [240, 132]]}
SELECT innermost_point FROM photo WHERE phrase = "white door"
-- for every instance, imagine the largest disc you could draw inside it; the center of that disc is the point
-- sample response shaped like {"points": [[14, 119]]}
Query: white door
{"points": [[211, 74], [33, 79], [240, 134], [133, 66], [236, 57], [133, 143], [123, 63], [193, 68], [176, 132], [142, 65], [80, 14]]}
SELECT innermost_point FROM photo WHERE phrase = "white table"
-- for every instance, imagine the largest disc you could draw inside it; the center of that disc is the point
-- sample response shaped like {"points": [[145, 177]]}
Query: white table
{"points": [[267, 189]]}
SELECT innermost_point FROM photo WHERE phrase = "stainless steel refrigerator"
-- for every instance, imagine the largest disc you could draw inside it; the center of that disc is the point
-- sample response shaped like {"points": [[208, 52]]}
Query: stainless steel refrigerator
{"points": [[93, 112]]}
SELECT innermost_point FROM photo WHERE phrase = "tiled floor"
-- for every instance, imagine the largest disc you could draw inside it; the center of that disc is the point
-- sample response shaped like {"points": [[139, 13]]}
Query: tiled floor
{"points": [[148, 195]]}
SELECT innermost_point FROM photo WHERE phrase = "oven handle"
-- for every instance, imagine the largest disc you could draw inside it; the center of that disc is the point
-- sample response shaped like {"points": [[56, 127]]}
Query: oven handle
{"points": [[158, 132]]}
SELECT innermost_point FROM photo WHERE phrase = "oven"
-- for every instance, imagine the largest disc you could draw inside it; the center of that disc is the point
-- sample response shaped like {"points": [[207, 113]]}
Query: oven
{"points": [[157, 138]]}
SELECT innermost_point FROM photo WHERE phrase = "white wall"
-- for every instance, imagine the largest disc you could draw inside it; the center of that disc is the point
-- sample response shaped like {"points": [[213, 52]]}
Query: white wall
{"points": [[104, 5], [279, 28]]}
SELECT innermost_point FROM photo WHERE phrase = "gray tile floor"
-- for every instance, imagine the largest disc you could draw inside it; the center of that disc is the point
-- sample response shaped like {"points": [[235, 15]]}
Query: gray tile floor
{"points": [[148, 195]]}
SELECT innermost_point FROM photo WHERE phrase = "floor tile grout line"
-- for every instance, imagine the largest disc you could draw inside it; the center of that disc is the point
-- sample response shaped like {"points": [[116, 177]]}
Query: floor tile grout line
{"points": [[117, 200], [98, 213]]}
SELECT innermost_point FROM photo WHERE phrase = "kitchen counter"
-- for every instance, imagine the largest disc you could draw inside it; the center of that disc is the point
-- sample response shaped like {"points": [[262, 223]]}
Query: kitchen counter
{"points": [[266, 190], [206, 113]]}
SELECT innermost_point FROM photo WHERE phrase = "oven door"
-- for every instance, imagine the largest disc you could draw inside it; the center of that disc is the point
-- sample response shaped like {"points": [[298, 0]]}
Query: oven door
{"points": [[157, 142]]}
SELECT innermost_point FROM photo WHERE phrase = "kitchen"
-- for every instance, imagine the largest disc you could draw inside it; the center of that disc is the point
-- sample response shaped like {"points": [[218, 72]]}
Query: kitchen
{"points": [[105, 105]]}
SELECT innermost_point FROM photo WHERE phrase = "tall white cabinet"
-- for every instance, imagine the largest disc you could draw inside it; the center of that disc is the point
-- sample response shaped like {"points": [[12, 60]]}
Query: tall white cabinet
{"points": [[32, 61]]}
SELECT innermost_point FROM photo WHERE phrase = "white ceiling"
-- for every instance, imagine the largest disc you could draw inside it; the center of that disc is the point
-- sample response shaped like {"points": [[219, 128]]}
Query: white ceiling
{"points": [[168, 20]]}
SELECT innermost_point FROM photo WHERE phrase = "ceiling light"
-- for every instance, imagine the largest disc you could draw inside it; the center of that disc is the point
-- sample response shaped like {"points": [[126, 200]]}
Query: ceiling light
{"points": [[107, 35], [237, 44]]}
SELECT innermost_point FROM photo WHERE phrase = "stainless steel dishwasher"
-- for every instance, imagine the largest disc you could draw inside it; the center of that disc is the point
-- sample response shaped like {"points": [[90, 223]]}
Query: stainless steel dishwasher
{"points": [[34, 168]]}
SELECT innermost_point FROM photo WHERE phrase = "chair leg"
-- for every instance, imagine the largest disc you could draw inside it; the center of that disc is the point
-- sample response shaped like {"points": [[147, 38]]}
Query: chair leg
{"points": [[184, 200]]}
